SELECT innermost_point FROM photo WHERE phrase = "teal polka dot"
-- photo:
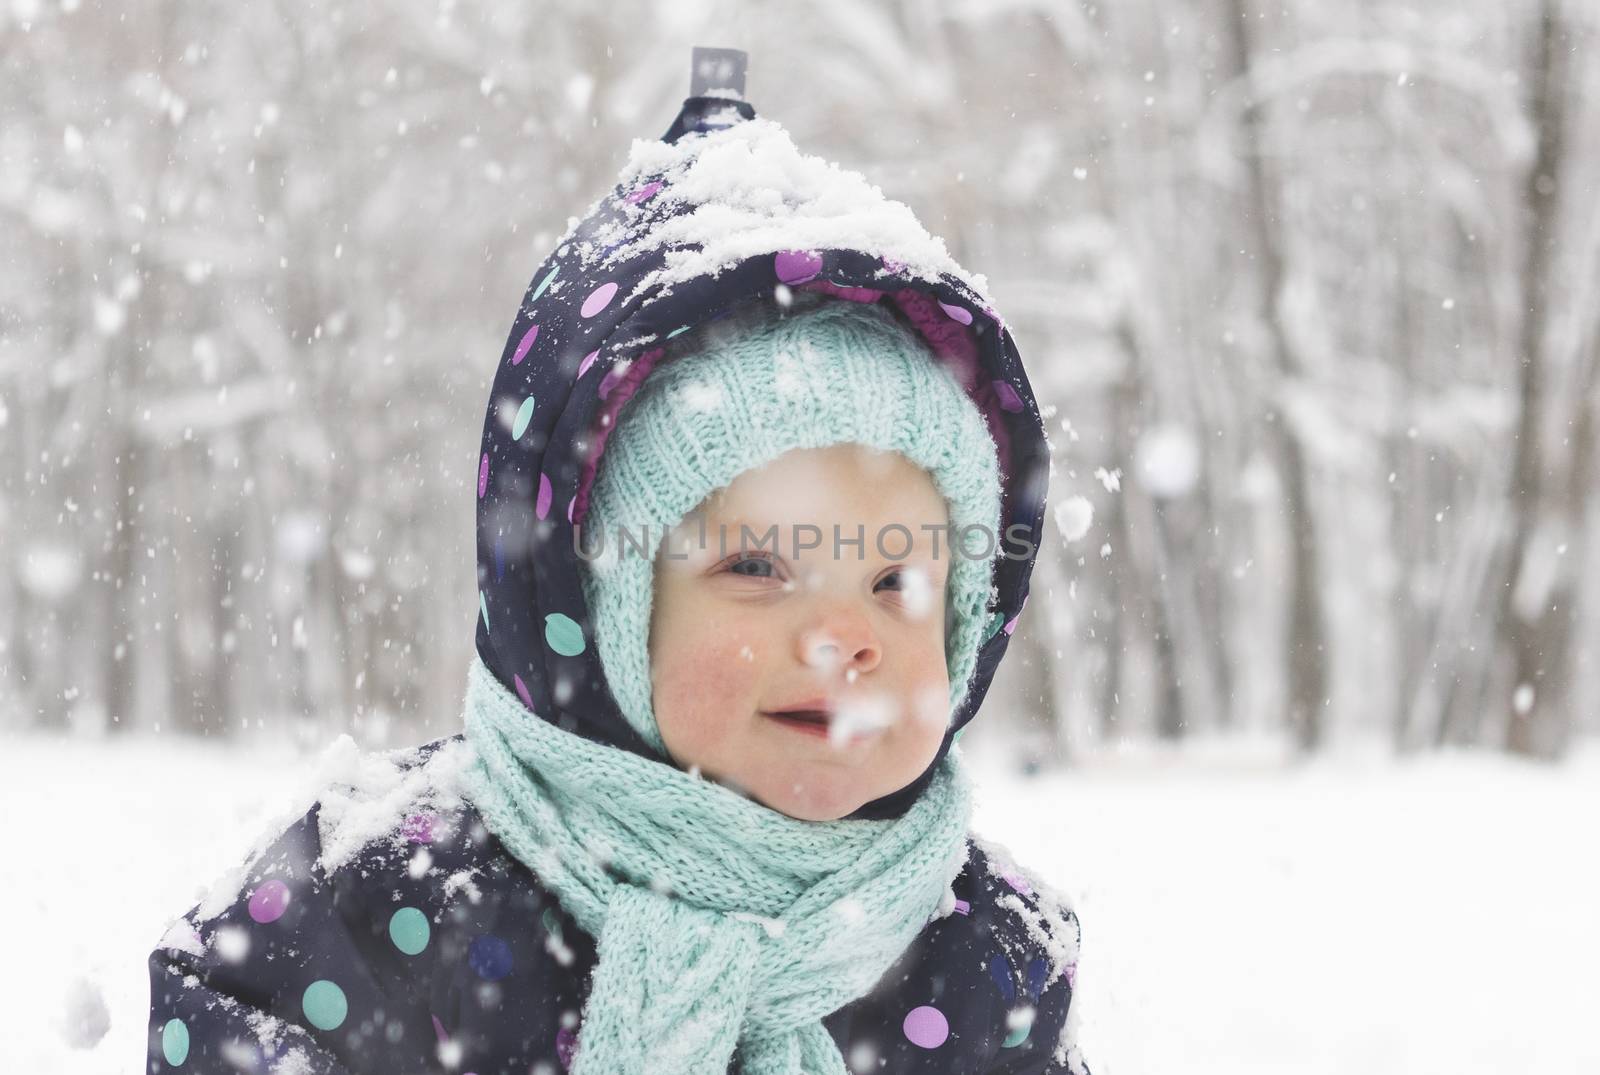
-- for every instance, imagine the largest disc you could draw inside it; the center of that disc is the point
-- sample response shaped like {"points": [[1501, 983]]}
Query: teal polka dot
{"points": [[548, 277], [678, 331], [483, 607], [562, 634], [996, 621], [524, 416], [175, 1042], [408, 929], [324, 1005], [1019, 1033]]}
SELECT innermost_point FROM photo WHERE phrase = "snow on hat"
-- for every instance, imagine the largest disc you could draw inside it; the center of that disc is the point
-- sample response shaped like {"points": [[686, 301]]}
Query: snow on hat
{"points": [[832, 373]]}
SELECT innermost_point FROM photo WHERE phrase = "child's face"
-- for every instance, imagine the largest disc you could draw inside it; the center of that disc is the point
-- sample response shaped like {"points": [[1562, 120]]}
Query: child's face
{"points": [[790, 625]]}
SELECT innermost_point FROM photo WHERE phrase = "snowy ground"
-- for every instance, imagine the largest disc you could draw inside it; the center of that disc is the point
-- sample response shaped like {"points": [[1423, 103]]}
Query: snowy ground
{"points": [[1433, 916]]}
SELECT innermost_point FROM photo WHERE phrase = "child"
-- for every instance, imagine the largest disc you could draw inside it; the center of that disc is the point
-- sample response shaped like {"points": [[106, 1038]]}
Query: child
{"points": [[743, 581]]}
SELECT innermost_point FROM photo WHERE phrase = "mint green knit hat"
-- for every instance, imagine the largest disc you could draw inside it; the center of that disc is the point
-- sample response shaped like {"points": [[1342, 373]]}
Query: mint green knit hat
{"points": [[738, 393]]}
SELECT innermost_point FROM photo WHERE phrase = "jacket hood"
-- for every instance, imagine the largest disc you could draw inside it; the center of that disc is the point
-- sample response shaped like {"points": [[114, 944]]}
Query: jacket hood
{"points": [[722, 210]]}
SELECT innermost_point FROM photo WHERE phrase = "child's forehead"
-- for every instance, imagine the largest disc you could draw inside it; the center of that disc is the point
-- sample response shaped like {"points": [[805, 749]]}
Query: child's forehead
{"points": [[836, 476], [826, 507]]}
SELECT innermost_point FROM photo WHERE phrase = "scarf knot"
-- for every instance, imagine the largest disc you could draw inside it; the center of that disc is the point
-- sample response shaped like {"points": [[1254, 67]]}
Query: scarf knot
{"points": [[726, 930]]}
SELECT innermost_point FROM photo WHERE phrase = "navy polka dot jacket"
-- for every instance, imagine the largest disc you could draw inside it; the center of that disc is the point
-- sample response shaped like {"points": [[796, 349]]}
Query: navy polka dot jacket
{"points": [[422, 945]]}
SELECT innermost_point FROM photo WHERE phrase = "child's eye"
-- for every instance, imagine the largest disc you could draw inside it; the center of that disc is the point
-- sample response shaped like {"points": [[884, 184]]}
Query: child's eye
{"points": [[895, 575], [756, 559]]}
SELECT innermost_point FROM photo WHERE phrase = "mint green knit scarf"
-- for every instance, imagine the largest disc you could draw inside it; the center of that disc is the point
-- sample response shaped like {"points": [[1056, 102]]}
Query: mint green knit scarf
{"points": [[722, 924]]}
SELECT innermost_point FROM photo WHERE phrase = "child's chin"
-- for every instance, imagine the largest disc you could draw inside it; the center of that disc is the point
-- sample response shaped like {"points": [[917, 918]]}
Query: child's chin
{"points": [[811, 804]]}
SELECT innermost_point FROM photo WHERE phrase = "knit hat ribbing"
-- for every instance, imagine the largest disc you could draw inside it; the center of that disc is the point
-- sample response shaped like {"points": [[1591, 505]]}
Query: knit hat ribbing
{"points": [[745, 390]]}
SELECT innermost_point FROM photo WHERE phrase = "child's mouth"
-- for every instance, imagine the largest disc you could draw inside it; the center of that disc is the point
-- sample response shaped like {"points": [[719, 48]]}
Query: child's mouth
{"points": [[806, 721]]}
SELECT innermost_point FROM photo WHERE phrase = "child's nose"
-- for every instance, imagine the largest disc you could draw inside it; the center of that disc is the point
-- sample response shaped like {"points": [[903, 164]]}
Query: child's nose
{"points": [[841, 638]]}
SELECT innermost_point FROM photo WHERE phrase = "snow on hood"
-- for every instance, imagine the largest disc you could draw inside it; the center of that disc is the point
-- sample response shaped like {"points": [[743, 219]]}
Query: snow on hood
{"points": [[746, 191], [722, 210]]}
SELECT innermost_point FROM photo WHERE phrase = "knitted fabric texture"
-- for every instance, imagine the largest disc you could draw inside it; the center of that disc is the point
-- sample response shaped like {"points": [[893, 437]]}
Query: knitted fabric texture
{"points": [[756, 385], [722, 925]]}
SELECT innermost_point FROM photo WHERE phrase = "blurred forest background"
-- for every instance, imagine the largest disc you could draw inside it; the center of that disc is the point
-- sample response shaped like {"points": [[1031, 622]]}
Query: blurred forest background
{"points": [[1311, 292]]}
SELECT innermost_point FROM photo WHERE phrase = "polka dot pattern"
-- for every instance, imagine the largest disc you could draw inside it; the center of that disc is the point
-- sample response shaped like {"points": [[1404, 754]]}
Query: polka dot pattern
{"points": [[409, 930], [544, 285], [794, 267], [524, 416], [644, 193], [598, 299], [1023, 1019], [1038, 970], [269, 901], [490, 958], [562, 634], [324, 1005], [1017, 882], [525, 345], [418, 828], [926, 1027], [959, 314], [1000, 972], [1007, 395], [175, 1042], [546, 494], [566, 1047]]}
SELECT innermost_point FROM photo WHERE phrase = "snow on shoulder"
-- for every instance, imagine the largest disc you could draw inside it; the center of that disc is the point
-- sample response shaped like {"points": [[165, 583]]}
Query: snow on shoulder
{"points": [[717, 198], [360, 798], [1051, 924], [380, 795]]}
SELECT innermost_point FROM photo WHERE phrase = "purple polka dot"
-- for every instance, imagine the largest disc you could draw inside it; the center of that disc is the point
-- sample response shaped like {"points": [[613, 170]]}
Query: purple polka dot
{"points": [[1017, 882], [613, 375], [1009, 400], [796, 266], [570, 505], [269, 901], [418, 828], [438, 1030], [1011, 624], [182, 937], [644, 193], [566, 1046], [963, 907], [598, 299], [483, 475], [527, 342], [541, 506], [957, 313], [926, 1026], [522, 690], [588, 360]]}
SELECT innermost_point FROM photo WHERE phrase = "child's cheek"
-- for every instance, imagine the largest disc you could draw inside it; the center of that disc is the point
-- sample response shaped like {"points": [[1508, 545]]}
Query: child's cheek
{"points": [[706, 681]]}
